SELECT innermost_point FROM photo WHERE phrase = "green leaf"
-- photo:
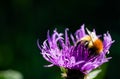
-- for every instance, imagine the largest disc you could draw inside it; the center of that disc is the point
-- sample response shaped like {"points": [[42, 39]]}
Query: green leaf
{"points": [[93, 74], [10, 74]]}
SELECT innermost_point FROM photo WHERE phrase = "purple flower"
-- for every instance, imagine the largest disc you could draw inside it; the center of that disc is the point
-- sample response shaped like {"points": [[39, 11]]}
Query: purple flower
{"points": [[73, 52]]}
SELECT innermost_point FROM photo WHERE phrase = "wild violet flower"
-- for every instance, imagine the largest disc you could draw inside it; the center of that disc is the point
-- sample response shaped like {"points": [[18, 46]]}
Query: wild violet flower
{"points": [[80, 52]]}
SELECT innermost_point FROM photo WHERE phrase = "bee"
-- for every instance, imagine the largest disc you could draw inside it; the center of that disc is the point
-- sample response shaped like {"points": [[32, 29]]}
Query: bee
{"points": [[92, 42]]}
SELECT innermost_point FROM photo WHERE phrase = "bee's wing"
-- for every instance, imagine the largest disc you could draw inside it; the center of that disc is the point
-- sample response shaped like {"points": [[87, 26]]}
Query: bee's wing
{"points": [[92, 35]]}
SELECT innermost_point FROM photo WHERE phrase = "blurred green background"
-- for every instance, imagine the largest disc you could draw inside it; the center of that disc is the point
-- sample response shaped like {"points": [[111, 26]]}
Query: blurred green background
{"points": [[22, 22]]}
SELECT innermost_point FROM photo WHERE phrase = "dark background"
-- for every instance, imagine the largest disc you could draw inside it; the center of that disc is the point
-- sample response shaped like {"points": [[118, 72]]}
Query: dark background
{"points": [[22, 22]]}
